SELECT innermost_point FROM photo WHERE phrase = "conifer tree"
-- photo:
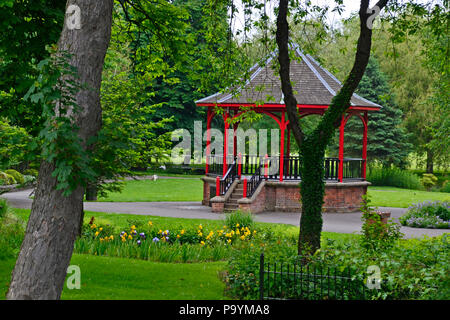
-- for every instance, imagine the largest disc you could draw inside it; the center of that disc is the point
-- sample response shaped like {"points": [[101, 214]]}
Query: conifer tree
{"points": [[387, 141]]}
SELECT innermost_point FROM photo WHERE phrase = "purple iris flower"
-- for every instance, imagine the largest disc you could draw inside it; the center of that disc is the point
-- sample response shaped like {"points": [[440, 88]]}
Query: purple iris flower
{"points": [[155, 239]]}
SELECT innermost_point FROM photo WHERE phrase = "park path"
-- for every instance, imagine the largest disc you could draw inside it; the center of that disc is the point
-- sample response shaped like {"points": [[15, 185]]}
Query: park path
{"points": [[332, 222]]}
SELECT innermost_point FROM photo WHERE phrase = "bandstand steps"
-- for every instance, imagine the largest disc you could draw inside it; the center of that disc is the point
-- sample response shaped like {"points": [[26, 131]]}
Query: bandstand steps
{"points": [[231, 204]]}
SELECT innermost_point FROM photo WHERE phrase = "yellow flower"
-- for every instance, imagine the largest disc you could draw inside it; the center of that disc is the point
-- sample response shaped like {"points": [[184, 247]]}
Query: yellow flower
{"points": [[200, 227], [229, 241], [237, 225], [150, 223], [130, 237], [200, 234], [123, 239], [97, 233], [101, 239], [202, 243], [111, 237], [178, 236], [93, 226], [237, 231], [160, 231], [242, 237], [182, 232], [100, 229]]}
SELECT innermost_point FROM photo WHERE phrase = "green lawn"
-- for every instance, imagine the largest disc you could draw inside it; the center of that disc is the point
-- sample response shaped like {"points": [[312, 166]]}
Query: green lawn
{"points": [[160, 190], [192, 190], [402, 198], [108, 278]]}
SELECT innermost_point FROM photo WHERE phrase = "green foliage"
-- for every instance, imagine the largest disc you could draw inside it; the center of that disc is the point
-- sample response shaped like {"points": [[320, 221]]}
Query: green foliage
{"points": [[129, 137], [377, 235], [31, 172], [14, 142], [393, 177], [387, 140], [428, 214], [239, 219], [16, 175], [6, 179], [55, 90], [12, 232], [411, 269], [32, 25], [4, 208], [429, 180], [446, 187]]}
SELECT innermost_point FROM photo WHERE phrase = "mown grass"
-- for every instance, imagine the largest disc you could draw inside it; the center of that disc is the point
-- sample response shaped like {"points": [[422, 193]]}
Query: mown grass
{"points": [[402, 198], [191, 190], [107, 278], [159, 190]]}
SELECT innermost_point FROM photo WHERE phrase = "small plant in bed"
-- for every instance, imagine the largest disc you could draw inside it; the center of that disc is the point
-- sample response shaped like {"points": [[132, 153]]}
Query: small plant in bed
{"points": [[428, 214]]}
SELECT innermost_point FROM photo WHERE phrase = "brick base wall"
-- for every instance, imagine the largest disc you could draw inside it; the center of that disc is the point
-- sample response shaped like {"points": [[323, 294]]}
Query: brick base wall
{"points": [[285, 196]]}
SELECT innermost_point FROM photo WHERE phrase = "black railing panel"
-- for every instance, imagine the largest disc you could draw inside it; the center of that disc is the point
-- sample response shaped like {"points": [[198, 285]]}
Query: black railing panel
{"points": [[295, 281]]}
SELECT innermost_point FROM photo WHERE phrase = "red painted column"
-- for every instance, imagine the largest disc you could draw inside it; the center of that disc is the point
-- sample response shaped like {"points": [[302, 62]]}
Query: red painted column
{"points": [[208, 138], [266, 166], [239, 159], [364, 150], [289, 141], [282, 129], [235, 127], [244, 193], [225, 143], [341, 149]]}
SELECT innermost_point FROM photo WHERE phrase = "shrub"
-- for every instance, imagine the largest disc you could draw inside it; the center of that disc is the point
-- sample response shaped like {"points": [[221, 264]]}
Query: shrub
{"points": [[17, 175], [4, 208], [411, 269], [12, 232], [445, 187], [435, 215], [28, 179], [31, 172], [394, 178], [429, 180], [7, 178], [377, 235], [239, 219]]}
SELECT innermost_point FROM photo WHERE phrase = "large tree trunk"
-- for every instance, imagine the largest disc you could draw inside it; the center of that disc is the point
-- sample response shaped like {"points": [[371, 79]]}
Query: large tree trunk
{"points": [[54, 222], [312, 146]]}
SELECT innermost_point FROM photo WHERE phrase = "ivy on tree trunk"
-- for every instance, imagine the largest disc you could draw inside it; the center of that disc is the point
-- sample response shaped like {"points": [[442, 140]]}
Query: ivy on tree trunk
{"points": [[312, 145]]}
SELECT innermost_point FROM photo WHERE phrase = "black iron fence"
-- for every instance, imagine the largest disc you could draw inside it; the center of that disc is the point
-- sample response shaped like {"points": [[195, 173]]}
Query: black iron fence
{"points": [[294, 281]]}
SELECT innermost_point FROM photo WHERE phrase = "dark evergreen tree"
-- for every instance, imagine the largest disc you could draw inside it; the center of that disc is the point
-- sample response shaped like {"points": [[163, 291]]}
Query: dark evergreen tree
{"points": [[387, 141]]}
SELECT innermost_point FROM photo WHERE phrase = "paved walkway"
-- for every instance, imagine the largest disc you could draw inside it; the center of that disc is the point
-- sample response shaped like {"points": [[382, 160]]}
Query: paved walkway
{"points": [[332, 222]]}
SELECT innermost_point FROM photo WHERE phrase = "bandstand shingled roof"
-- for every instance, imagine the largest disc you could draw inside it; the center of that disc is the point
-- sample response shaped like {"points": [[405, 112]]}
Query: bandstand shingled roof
{"points": [[313, 85]]}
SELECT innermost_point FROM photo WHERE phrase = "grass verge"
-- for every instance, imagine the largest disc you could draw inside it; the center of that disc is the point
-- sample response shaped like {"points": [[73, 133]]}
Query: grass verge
{"points": [[402, 198]]}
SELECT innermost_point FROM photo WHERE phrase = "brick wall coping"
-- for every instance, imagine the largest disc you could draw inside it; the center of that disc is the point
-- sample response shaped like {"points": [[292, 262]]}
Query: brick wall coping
{"points": [[328, 184]]}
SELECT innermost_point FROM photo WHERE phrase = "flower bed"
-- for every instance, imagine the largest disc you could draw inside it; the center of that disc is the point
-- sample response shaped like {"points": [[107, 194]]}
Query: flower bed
{"points": [[153, 242], [435, 215]]}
